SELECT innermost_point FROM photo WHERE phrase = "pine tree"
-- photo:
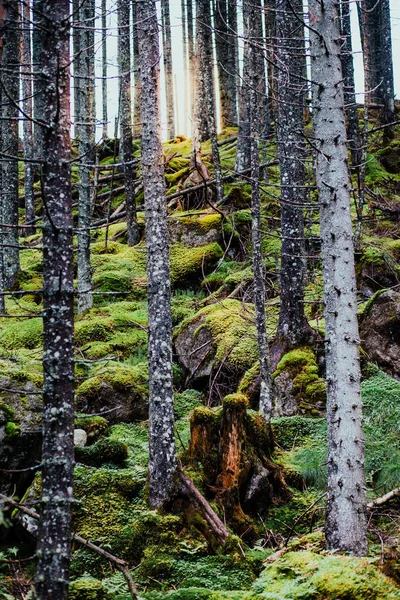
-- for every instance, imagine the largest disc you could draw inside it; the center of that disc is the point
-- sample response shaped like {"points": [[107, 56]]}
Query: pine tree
{"points": [[27, 93], [225, 41], [346, 504], [168, 71], [54, 536], [162, 462]]}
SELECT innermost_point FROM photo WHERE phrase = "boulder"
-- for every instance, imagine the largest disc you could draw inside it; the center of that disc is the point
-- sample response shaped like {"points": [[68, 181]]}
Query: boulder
{"points": [[380, 331], [80, 438]]}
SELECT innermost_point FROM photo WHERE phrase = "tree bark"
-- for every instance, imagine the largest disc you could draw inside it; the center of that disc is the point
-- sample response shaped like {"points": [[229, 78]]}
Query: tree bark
{"points": [[54, 537], [137, 90], [353, 128], [243, 148], [376, 39], [27, 94], [250, 31], [225, 41], [203, 65], [185, 67], [126, 151], [86, 117], [104, 82], [191, 56], [168, 71], [346, 505], [10, 71], [162, 463], [293, 328]]}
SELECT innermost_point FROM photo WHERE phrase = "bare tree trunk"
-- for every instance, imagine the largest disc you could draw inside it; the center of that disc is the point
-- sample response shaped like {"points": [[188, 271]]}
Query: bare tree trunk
{"points": [[126, 151], [10, 72], [353, 128], [270, 37], [168, 71], [203, 63], [162, 464], [54, 537], [250, 31], [225, 47], [2, 149], [293, 328], [86, 128], [345, 520], [137, 96], [376, 39], [243, 149], [191, 57], [104, 82], [38, 130], [185, 68], [27, 94], [77, 63]]}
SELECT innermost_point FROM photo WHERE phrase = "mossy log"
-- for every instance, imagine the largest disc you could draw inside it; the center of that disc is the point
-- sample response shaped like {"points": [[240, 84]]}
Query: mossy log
{"points": [[234, 446]]}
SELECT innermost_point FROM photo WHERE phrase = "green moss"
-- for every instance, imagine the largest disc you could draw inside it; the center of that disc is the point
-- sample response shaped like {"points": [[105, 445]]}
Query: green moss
{"points": [[118, 376], [86, 588], [208, 222], [203, 415], [189, 262], [27, 333], [173, 178], [185, 402], [94, 426], [235, 402], [103, 451], [291, 431], [301, 575], [12, 429]]}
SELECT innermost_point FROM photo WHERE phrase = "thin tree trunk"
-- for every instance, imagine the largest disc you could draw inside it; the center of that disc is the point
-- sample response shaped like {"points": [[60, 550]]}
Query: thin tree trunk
{"points": [[38, 130], [191, 57], [203, 60], [185, 68], [86, 124], [137, 96], [168, 71], [126, 151], [104, 82], [77, 63], [10, 64], [346, 527], [243, 148], [162, 463], [293, 328], [2, 149], [250, 31], [270, 37], [353, 128], [27, 94], [376, 38], [54, 536], [224, 43]]}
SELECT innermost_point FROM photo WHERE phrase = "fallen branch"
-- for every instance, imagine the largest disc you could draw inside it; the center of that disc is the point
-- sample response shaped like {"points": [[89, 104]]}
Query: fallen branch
{"points": [[216, 525], [383, 499], [120, 564]]}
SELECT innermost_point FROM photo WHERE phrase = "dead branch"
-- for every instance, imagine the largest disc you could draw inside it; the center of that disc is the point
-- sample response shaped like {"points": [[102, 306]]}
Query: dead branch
{"points": [[383, 499]]}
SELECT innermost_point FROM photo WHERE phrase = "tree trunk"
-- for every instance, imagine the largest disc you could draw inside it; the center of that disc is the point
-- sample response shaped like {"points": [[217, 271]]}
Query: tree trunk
{"points": [[168, 72], [162, 463], [27, 93], [353, 128], [104, 82], [375, 29], [191, 56], [345, 520], [54, 537], [293, 328], [77, 63], [10, 64], [204, 63], [225, 41], [270, 37], [243, 148], [126, 151], [86, 128], [251, 31], [185, 68], [38, 130], [137, 95]]}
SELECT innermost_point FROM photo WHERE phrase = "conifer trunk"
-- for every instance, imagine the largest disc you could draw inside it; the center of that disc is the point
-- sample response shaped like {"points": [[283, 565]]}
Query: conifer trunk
{"points": [[346, 505], [168, 71], [86, 128], [203, 65], [54, 536], [104, 82], [126, 151], [137, 90], [10, 65], [162, 462], [27, 92], [225, 50], [293, 328], [191, 55]]}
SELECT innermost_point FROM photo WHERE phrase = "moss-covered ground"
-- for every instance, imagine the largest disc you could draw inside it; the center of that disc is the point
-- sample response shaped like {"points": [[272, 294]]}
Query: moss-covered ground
{"points": [[212, 281]]}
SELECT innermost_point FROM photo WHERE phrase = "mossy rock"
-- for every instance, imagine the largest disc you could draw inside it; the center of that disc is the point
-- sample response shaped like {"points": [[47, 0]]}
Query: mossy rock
{"points": [[26, 333], [300, 575], [86, 588], [103, 451], [218, 338], [94, 426], [118, 390], [298, 388]]}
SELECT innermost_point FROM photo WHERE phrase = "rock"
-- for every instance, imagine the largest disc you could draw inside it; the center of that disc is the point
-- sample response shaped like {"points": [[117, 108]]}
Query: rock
{"points": [[380, 331], [80, 437]]}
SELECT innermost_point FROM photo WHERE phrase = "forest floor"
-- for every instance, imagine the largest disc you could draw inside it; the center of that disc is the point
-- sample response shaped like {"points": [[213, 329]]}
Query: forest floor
{"points": [[277, 549]]}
